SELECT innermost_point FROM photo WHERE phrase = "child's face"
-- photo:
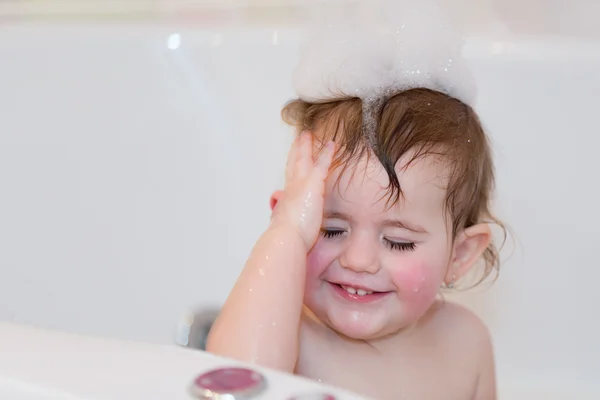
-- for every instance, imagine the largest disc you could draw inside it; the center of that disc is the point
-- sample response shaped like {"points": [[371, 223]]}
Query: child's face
{"points": [[401, 253]]}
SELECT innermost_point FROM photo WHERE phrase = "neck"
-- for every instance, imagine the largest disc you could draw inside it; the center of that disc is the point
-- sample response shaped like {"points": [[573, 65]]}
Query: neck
{"points": [[382, 343]]}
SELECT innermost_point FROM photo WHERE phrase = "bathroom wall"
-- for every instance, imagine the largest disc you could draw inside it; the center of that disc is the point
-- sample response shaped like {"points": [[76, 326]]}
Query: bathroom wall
{"points": [[137, 159]]}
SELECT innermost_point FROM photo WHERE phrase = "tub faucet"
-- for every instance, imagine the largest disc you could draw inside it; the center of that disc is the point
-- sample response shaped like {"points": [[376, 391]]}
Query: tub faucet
{"points": [[193, 327]]}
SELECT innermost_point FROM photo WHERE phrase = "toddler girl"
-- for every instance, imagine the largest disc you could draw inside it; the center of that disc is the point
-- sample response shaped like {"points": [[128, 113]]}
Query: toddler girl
{"points": [[386, 202]]}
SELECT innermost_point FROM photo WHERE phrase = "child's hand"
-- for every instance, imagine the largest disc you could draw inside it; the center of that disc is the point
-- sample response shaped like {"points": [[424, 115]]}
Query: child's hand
{"points": [[301, 205]]}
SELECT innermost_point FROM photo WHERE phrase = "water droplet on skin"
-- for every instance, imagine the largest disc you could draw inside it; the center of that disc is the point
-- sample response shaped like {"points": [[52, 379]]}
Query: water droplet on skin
{"points": [[415, 289], [261, 272], [250, 289], [274, 323]]}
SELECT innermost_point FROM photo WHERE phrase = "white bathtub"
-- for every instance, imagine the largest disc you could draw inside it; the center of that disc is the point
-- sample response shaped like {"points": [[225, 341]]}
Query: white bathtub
{"points": [[137, 158], [47, 365]]}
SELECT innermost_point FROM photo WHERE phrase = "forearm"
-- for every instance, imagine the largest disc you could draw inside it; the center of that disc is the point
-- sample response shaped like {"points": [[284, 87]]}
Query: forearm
{"points": [[260, 320]]}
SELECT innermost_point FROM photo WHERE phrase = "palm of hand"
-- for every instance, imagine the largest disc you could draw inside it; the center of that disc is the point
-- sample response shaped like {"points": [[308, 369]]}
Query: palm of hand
{"points": [[301, 205]]}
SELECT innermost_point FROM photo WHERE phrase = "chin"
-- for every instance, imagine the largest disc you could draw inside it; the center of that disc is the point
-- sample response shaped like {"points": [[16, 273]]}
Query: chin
{"points": [[365, 331], [358, 324], [358, 333]]}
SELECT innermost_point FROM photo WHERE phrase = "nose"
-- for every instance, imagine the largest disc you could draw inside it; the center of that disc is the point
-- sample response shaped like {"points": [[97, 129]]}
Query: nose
{"points": [[360, 254]]}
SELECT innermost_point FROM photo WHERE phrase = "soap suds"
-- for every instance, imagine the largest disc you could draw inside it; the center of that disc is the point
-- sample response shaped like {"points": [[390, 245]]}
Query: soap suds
{"points": [[377, 48]]}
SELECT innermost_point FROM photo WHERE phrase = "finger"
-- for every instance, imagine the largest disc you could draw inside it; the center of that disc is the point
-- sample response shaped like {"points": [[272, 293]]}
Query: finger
{"points": [[325, 159], [304, 160], [291, 160]]}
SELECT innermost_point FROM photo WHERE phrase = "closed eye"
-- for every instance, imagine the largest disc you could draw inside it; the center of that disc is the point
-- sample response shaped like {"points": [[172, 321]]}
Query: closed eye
{"points": [[330, 233], [399, 246]]}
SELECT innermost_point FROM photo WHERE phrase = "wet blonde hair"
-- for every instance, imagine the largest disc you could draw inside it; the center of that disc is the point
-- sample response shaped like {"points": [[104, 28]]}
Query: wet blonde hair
{"points": [[424, 122]]}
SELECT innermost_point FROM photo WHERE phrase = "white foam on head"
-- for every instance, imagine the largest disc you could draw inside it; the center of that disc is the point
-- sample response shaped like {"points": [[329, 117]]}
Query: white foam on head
{"points": [[380, 47]]}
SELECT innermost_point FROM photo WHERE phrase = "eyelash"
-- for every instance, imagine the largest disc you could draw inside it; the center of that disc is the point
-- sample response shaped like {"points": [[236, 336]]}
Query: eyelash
{"points": [[398, 246], [330, 233], [406, 246]]}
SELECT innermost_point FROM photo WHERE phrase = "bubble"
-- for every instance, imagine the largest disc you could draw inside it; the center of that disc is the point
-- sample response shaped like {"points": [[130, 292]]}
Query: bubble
{"points": [[384, 46]]}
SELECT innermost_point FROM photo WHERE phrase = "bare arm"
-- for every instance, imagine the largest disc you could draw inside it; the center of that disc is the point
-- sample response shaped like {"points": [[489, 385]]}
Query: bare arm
{"points": [[260, 320]]}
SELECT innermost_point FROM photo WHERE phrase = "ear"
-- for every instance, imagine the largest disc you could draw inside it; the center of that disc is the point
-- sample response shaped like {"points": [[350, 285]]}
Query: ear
{"points": [[468, 247], [275, 198]]}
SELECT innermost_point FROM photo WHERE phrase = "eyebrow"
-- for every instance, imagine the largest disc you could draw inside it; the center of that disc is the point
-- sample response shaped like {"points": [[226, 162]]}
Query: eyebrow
{"points": [[388, 222]]}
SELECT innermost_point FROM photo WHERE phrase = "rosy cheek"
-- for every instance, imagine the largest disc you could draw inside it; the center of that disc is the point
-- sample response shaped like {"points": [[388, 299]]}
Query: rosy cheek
{"points": [[319, 258], [417, 286]]}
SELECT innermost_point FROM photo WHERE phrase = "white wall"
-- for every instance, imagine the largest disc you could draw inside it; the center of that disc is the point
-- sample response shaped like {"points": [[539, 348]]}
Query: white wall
{"points": [[135, 178]]}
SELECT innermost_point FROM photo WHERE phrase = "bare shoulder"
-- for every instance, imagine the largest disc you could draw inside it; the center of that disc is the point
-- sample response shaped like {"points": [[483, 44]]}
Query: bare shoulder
{"points": [[468, 338], [462, 330], [458, 322]]}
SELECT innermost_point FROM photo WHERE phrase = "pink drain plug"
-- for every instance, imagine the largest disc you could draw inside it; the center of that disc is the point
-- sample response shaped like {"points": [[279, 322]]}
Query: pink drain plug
{"points": [[229, 384], [238, 384]]}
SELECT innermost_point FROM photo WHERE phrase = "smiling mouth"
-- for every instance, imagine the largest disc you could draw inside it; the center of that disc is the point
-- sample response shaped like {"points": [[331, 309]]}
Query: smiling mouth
{"points": [[360, 292], [357, 294]]}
